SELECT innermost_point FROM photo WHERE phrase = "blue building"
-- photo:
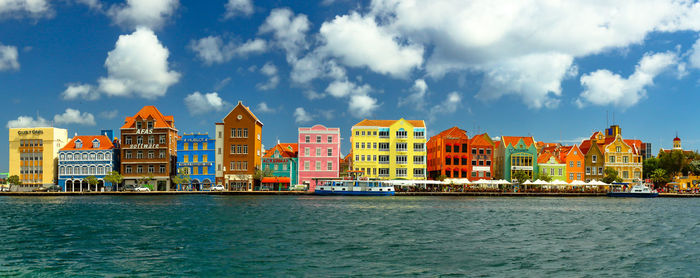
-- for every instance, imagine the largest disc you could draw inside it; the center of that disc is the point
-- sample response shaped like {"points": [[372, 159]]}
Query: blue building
{"points": [[85, 156], [195, 156]]}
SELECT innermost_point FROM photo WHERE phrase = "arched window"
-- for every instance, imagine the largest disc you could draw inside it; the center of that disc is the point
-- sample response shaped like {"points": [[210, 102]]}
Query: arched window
{"points": [[93, 156], [63, 156], [69, 170], [100, 156], [63, 169], [78, 144], [85, 156], [108, 169], [92, 170], [84, 171]]}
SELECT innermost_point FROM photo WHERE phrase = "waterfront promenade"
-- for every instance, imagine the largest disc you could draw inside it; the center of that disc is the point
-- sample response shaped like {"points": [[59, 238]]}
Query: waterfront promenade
{"points": [[293, 193]]}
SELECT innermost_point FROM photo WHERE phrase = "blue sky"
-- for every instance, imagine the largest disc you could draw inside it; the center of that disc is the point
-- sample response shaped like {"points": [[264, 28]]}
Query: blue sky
{"points": [[543, 69]]}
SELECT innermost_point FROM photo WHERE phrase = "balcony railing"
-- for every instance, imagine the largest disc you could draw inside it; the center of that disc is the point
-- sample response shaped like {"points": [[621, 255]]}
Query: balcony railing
{"points": [[402, 150], [383, 162], [383, 175], [419, 175]]}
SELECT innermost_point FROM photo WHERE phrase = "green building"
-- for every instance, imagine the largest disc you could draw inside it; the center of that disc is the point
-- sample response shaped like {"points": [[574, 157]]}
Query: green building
{"points": [[515, 153], [283, 161], [552, 166]]}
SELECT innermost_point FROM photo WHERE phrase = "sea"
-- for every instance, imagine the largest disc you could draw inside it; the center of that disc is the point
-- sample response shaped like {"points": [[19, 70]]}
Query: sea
{"points": [[314, 236]]}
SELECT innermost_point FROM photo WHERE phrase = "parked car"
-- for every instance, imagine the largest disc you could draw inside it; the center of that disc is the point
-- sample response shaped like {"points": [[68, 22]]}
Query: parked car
{"points": [[142, 189], [4, 188], [217, 187], [54, 188]]}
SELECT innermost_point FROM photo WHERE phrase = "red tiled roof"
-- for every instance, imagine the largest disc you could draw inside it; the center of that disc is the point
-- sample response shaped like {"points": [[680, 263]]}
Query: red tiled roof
{"points": [[543, 158], [482, 140], [387, 123], [285, 149], [152, 112], [513, 140], [105, 143], [453, 132]]}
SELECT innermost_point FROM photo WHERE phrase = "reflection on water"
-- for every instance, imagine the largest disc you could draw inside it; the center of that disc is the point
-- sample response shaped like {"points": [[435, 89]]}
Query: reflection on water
{"points": [[337, 236]]}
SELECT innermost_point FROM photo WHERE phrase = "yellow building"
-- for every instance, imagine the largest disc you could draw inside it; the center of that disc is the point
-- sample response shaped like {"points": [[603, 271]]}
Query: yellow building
{"points": [[389, 149], [622, 155], [34, 155]]}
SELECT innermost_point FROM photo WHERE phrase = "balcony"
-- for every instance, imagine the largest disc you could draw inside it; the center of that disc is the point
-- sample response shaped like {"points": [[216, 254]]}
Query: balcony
{"points": [[384, 150], [401, 162]]}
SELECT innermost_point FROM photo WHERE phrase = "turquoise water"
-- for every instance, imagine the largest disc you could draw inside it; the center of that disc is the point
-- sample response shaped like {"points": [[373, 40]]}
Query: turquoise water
{"points": [[275, 236]]}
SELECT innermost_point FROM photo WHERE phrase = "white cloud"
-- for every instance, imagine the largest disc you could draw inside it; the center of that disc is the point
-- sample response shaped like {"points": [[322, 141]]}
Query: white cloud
{"points": [[138, 66], [343, 88], [212, 50], [8, 57], [448, 106], [264, 108], [19, 8], [315, 65], [73, 116], [109, 114], [270, 70], [198, 103], [288, 30], [311, 95], [80, 91], [603, 87], [27, 121], [301, 116], [93, 4], [694, 58], [417, 97], [362, 106], [358, 41], [238, 7], [151, 14]]}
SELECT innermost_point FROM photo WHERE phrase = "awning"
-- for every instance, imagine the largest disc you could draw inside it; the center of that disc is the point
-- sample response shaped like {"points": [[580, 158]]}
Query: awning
{"points": [[276, 180]]}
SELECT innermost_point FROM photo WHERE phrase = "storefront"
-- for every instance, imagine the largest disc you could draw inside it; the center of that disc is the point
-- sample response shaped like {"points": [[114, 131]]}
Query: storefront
{"points": [[274, 184]]}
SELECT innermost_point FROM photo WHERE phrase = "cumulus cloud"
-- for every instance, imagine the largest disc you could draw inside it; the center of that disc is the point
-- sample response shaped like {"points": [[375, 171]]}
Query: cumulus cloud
{"points": [[448, 106], [8, 58], [264, 108], [93, 4], [20, 8], [238, 7], [343, 88], [138, 66], [312, 95], [27, 121], [73, 116], [213, 50], [358, 41], [269, 70], [301, 116], [362, 106], [315, 65], [603, 87], [109, 114], [151, 14], [694, 58], [81, 92], [417, 96], [288, 30], [198, 103]]}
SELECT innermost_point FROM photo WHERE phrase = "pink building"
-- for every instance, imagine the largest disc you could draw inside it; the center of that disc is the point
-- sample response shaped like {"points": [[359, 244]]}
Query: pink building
{"points": [[319, 153]]}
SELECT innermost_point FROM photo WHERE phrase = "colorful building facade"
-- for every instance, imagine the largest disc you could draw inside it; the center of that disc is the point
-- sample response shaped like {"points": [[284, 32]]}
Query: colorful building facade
{"points": [[282, 160], [622, 155], [550, 165], [33, 155], [481, 155], [319, 154], [390, 149], [86, 156], [448, 154], [575, 162], [238, 149], [516, 153], [195, 157], [149, 149], [594, 157]]}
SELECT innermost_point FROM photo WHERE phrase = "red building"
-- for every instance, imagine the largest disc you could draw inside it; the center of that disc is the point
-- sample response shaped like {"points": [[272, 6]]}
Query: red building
{"points": [[481, 157], [448, 154]]}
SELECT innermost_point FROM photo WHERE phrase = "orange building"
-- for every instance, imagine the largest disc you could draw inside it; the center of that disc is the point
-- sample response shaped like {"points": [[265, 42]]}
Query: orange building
{"points": [[575, 162], [238, 149], [448, 154], [149, 149]]}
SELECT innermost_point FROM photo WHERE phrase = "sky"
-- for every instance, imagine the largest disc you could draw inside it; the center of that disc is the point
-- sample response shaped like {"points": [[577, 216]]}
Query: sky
{"points": [[555, 70]]}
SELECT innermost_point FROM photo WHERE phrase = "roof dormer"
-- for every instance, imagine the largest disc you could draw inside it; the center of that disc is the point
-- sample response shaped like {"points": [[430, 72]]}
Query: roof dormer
{"points": [[95, 143], [78, 144]]}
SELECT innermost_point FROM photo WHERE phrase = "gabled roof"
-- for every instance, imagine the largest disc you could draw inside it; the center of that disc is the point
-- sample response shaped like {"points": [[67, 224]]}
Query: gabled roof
{"points": [[453, 132], [105, 143], [482, 140], [152, 112], [544, 158], [388, 123], [513, 140], [635, 144], [285, 149], [246, 109]]}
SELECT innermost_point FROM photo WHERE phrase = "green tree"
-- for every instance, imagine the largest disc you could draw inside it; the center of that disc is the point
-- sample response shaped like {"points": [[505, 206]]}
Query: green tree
{"points": [[520, 176], [649, 165], [611, 176], [92, 182], [441, 177], [13, 180], [545, 177], [114, 178], [659, 177], [182, 177], [259, 174], [145, 181], [673, 162]]}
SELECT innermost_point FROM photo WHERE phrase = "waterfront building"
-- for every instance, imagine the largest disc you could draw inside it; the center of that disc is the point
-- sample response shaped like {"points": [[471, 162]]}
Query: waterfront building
{"points": [[85, 156], [551, 165], [516, 153], [33, 155], [481, 156], [646, 151], [319, 154], [575, 162], [238, 148], [389, 149], [677, 146], [282, 160], [622, 155], [448, 154], [149, 149], [345, 165], [594, 158], [195, 157]]}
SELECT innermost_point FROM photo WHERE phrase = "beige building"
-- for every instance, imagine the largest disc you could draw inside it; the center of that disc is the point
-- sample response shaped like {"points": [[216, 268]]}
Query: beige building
{"points": [[33, 155]]}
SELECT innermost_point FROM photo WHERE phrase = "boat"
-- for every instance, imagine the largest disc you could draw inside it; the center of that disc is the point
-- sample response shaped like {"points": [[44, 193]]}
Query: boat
{"points": [[355, 185], [637, 191]]}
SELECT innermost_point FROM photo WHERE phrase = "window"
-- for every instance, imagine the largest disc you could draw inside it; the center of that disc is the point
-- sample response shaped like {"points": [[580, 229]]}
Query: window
{"points": [[233, 132], [418, 172], [127, 169], [383, 146], [232, 166], [161, 154], [363, 133], [306, 165], [330, 139], [448, 161], [594, 158], [139, 154], [488, 151], [318, 165], [578, 163], [149, 125], [561, 172], [127, 154], [330, 152], [357, 133], [625, 174], [162, 169], [95, 144], [318, 138], [245, 132], [139, 169], [401, 134], [357, 157], [127, 140], [362, 145], [625, 159], [401, 147], [78, 144], [138, 125], [383, 159], [401, 159], [375, 158], [362, 157], [245, 149], [588, 170], [612, 159], [357, 145], [578, 176], [384, 134], [418, 159], [448, 148], [233, 149], [329, 165], [456, 148], [244, 165], [162, 139], [401, 172], [481, 151], [318, 151], [239, 149], [100, 156], [151, 154], [418, 133], [307, 139], [151, 139], [571, 164], [618, 149], [306, 151], [571, 176], [600, 170], [220, 134], [151, 168], [473, 150]]}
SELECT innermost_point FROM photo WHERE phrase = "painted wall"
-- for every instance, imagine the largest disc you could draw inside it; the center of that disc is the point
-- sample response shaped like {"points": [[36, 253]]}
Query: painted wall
{"points": [[307, 154]]}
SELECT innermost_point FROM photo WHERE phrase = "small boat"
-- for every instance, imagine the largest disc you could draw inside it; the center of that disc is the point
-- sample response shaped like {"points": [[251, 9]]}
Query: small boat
{"points": [[355, 186], [637, 191]]}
